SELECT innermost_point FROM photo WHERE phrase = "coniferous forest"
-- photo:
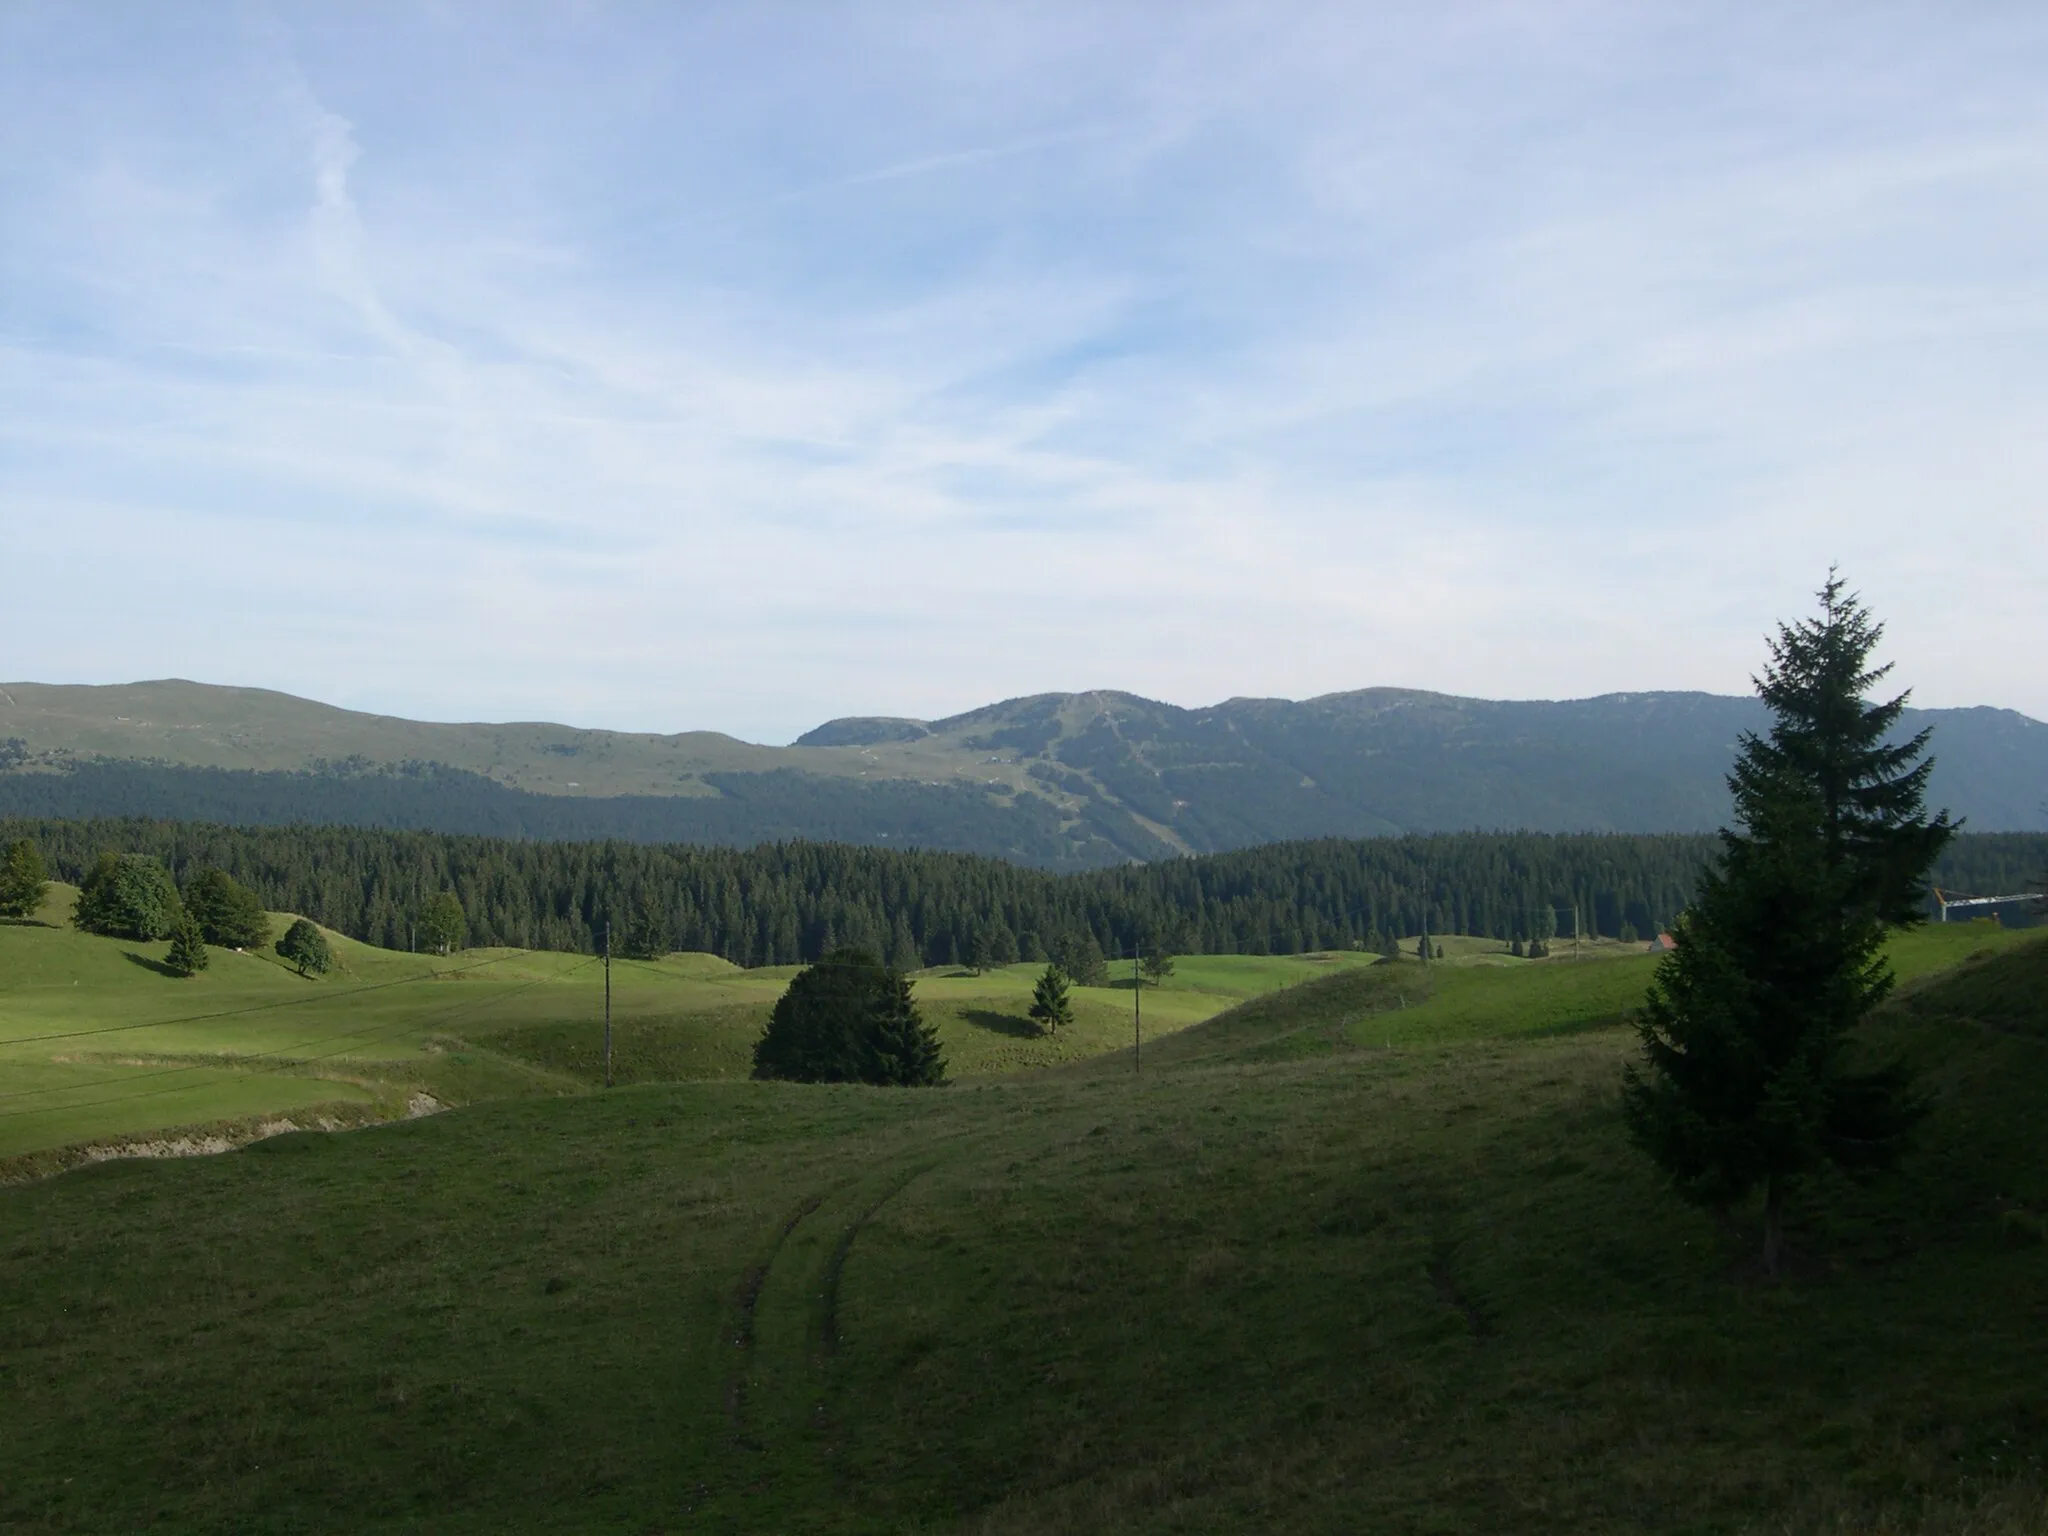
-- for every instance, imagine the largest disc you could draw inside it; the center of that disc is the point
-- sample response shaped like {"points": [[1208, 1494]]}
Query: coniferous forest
{"points": [[788, 902]]}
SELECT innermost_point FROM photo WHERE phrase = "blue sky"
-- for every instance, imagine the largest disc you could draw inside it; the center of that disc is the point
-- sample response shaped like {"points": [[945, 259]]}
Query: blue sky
{"points": [[734, 367]]}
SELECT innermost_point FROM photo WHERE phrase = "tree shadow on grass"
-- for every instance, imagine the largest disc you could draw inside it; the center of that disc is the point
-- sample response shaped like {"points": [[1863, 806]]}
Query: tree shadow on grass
{"points": [[146, 963], [1002, 1023]]}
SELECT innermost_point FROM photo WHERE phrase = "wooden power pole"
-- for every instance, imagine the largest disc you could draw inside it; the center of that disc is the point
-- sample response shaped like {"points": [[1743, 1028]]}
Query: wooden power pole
{"points": [[607, 1002], [1137, 1015]]}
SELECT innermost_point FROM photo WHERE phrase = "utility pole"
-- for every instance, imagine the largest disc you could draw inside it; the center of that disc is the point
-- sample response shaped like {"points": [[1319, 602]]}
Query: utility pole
{"points": [[607, 1002], [1137, 1015]]}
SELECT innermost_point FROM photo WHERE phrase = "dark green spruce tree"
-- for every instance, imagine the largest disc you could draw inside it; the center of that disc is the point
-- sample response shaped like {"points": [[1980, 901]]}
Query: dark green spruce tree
{"points": [[188, 956], [902, 1050], [849, 1019], [1050, 1004], [1747, 1079], [643, 936], [981, 957], [24, 882], [227, 912]]}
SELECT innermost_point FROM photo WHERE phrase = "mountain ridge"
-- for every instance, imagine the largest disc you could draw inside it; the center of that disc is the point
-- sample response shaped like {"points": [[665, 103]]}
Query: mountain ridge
{"points": [[1059, 779]]}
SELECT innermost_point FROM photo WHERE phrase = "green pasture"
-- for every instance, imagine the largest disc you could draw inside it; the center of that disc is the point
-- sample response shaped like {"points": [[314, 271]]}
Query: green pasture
{"points": [[1365, 1254], [99, 1043]]}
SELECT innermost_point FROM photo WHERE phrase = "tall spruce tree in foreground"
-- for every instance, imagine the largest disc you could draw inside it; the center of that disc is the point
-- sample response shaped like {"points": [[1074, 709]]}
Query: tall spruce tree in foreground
{"points": [[1747, 1079]]}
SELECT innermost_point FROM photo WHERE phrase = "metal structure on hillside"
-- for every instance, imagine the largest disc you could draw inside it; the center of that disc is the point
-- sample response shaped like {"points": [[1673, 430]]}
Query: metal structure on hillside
{"points": [[1946, 902]]}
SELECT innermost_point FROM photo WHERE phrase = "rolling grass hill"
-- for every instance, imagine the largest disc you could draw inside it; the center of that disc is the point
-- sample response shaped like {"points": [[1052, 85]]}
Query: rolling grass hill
{"points": [[1407, 1279], [1057, 780], [99, 1045]]}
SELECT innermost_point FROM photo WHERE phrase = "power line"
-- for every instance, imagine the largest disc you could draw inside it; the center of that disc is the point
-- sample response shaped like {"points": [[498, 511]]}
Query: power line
{"points": [[650, 967]]}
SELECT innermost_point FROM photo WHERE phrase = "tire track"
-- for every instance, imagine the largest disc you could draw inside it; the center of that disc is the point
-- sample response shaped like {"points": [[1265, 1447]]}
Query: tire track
{"points": [[835, 1266], [761, 1364], [745, 1299]]}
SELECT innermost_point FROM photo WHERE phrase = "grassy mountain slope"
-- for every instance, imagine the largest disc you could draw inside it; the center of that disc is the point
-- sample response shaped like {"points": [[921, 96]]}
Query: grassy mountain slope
{"points": [[1054, 779], [1416, 1283]]}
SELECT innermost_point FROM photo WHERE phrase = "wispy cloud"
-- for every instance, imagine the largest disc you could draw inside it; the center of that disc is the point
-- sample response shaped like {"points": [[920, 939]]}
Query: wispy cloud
{"points": [[734, 370]]}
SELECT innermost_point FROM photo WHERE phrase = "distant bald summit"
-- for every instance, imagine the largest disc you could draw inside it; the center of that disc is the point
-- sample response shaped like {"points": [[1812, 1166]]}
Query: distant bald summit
{"points": [[1387, 760], [1059, 780], [864, 731]]}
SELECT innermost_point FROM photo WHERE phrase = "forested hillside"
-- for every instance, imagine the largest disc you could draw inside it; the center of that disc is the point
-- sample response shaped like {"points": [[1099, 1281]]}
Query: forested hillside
{"points": [[746, 809], [1061, 781], [792, 901]]}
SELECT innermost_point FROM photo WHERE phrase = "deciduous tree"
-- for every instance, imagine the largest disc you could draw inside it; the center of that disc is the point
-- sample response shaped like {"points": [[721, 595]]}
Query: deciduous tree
{"points": [[1158, 962], [128, 897], [1079, 954], [443, 927], [305, 946]]}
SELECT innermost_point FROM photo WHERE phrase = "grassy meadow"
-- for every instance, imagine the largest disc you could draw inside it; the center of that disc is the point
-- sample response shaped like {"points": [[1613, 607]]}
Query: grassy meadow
{"points": [[1363, 1253], [99, 1045]]}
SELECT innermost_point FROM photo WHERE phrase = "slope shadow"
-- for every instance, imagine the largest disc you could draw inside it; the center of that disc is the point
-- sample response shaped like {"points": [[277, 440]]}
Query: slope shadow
{"points": [[1002, 1023], [148, 964]]}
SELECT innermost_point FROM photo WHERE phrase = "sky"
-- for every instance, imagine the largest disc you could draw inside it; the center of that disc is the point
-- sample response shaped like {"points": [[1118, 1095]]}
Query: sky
{"points": [[683, 366]]}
